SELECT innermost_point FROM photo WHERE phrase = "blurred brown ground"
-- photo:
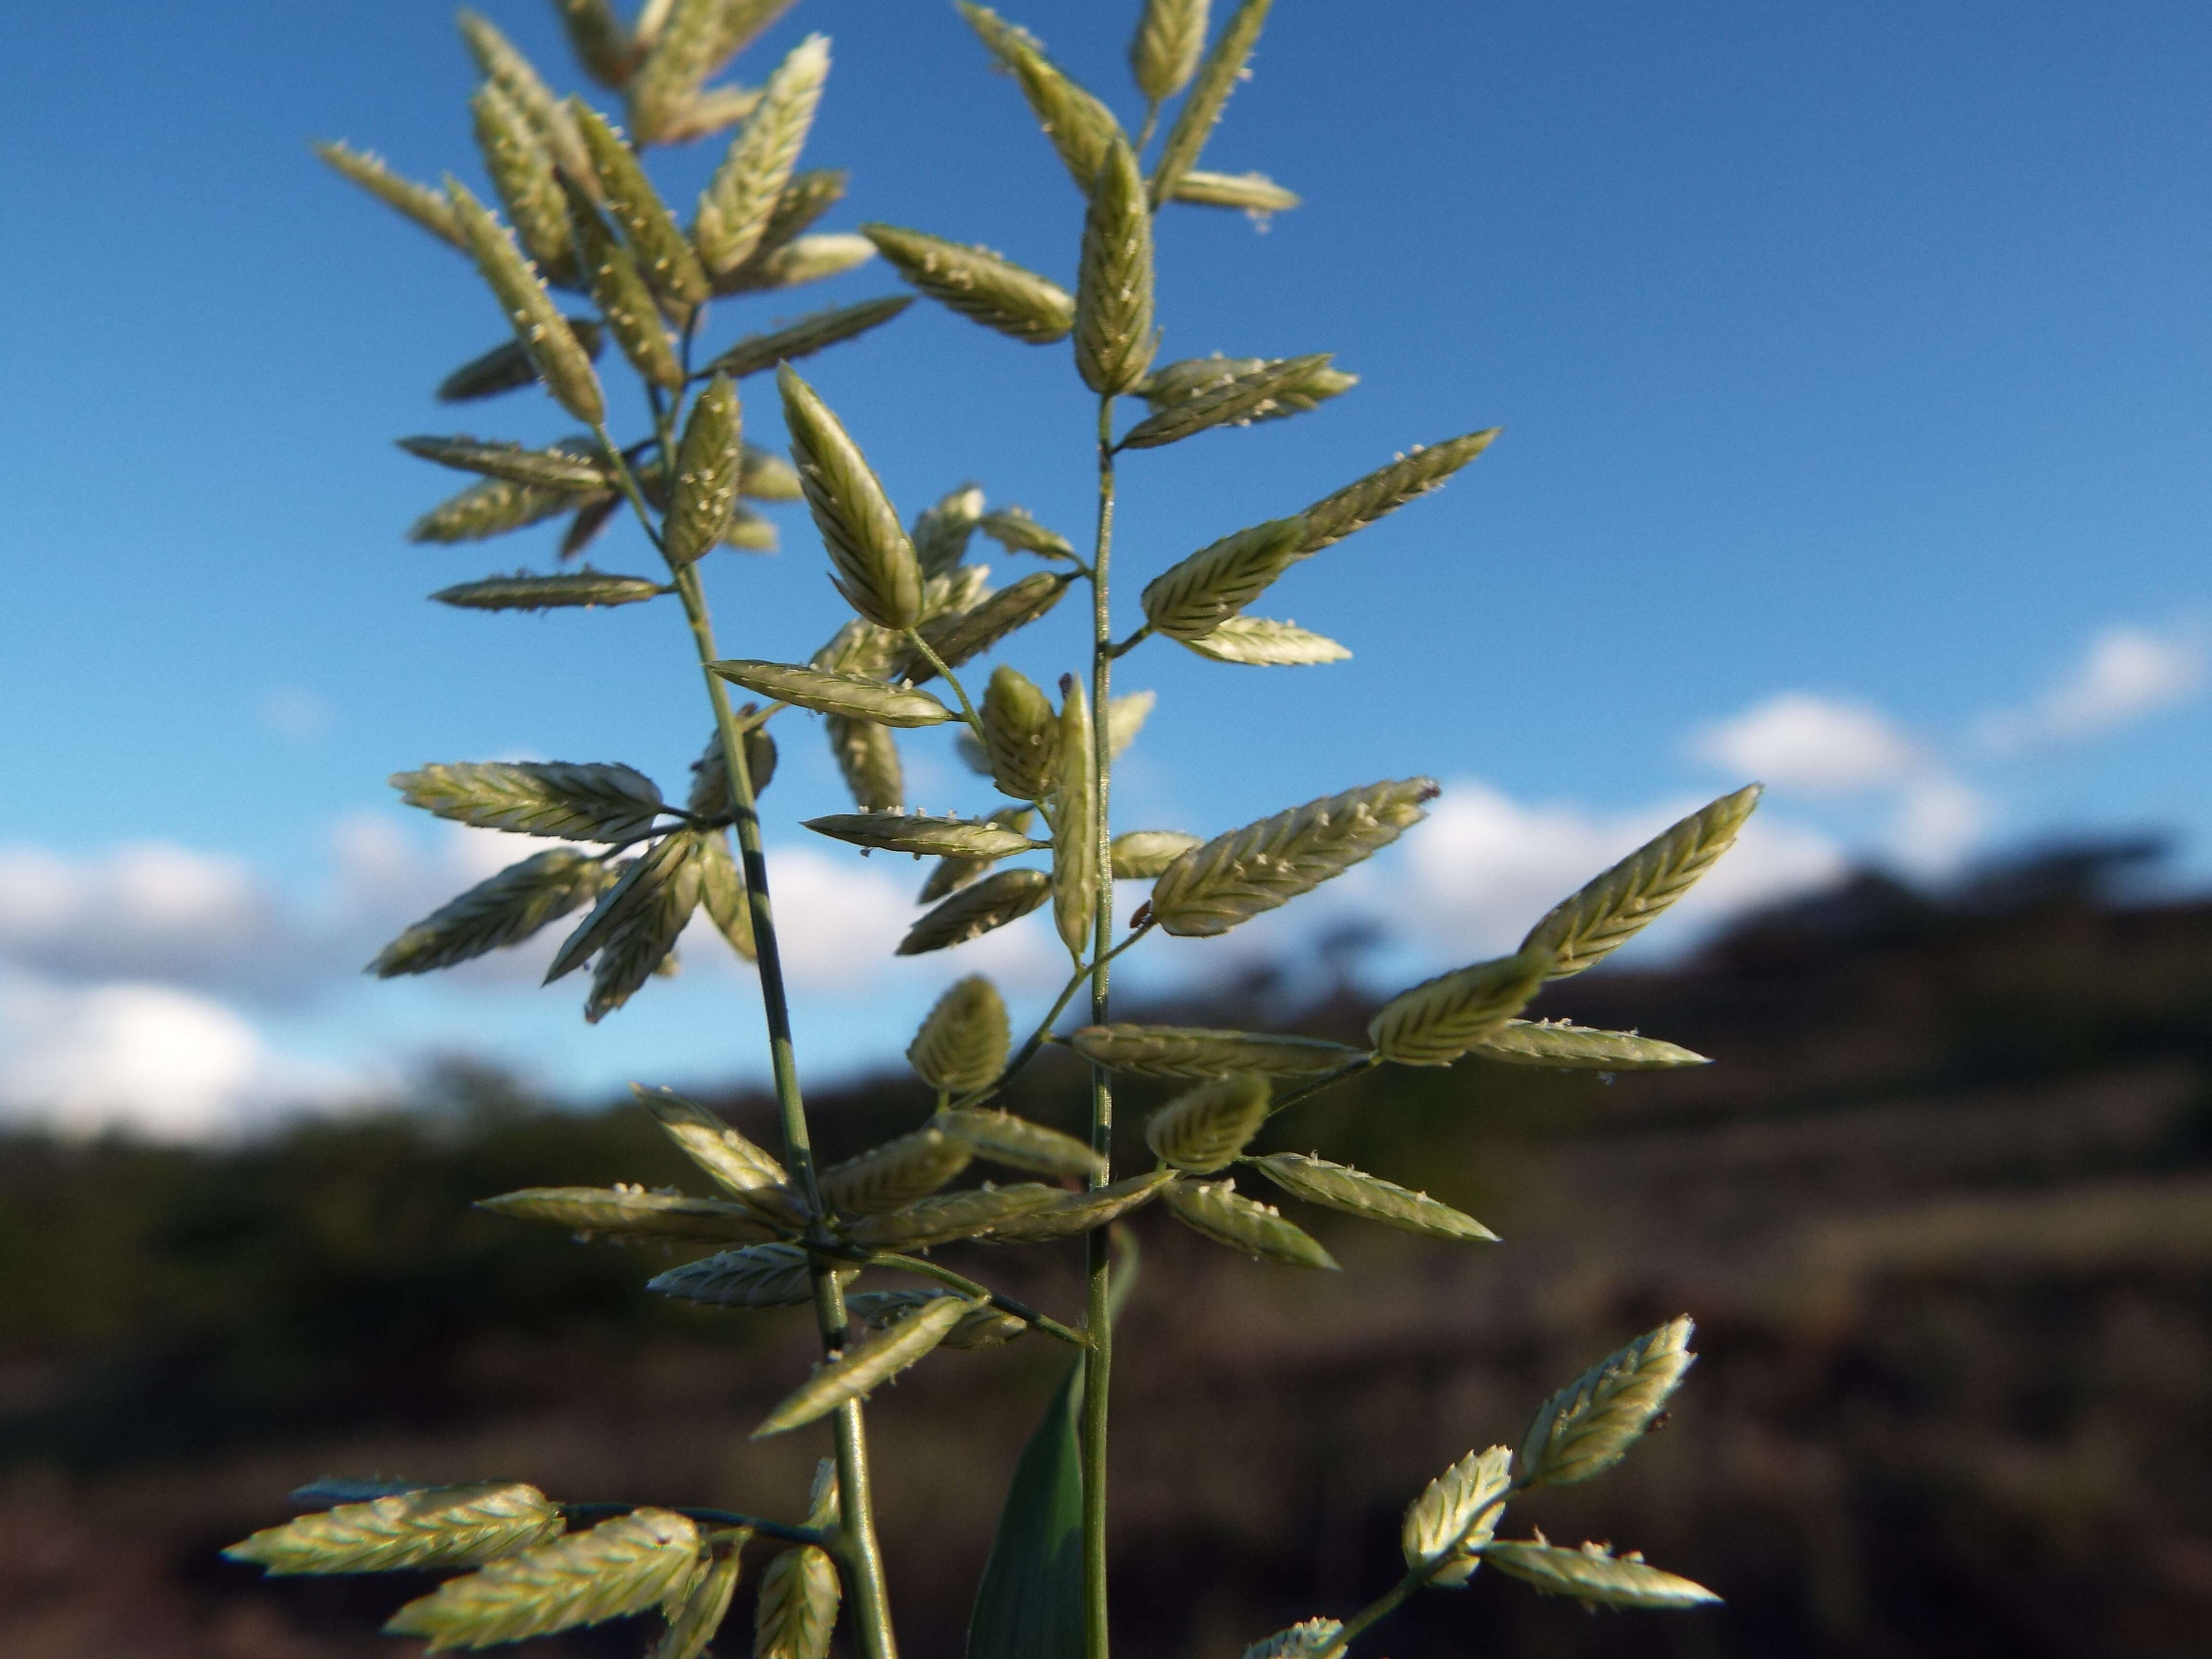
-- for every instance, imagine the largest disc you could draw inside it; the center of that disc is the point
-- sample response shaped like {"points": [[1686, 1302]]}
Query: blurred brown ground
{"points": [[1943, 1214]]}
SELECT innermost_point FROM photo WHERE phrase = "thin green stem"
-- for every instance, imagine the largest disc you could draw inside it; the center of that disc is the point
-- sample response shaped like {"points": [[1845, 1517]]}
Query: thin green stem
{"points": [[1145, 132], [928, 655], [1416, 1576], [1132, 642], [862, 1556], [969, 1288], [1307, 1091], [1042, 1035], [767, 1528], [1099, 1317]]}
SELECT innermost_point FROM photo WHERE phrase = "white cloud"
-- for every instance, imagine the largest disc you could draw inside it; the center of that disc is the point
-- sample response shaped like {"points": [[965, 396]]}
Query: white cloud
{"points": [[1485, 867], [2125, 675], [146, 1059], [1938, 821], [297, 713], [1822, 745]]}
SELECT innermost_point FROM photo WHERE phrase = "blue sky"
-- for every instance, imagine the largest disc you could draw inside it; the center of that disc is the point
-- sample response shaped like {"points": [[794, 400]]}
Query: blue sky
{"points": [[1853, 369]]}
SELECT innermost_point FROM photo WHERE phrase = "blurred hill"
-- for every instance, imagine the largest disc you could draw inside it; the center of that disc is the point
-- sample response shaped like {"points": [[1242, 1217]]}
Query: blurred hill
{"points": [[1943, 1211]]}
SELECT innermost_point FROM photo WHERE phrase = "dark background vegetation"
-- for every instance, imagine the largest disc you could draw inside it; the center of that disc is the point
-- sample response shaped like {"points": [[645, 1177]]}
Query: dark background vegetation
{"points": [[1943, 1212]]}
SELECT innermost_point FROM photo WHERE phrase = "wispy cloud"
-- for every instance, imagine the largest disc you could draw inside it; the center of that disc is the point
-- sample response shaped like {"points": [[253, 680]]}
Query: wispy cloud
{"points": [[2125, 674], [1822, 745]]}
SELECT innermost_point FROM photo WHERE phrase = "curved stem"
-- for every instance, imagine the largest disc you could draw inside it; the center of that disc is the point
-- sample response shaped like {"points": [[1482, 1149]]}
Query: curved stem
{"points": [[1098, 1317], [765, 1529], [967, 708], [966, 1287], [1416, 1576], [1042, 1035], [857, 1530], [1307, 1091]]}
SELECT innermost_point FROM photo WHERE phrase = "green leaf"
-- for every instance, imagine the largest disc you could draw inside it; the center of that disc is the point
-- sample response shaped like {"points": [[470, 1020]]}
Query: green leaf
{"points": [[626, 1565], [431, 1526], [1339, 1187], [1029, 1603]]}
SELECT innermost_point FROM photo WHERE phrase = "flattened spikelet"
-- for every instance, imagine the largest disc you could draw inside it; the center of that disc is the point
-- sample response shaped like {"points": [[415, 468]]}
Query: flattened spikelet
{"points": [[1590, 926], [1387, 489], [759, 352], [1215, 1209], [849, 694], [694, 39], [504, 910], [1114, 334], [1254, 193], [574, 465], [916, 832], [973, 911], [605, 802], [1338, 1187], [1180, 1051], [627, 1213], [965, 1039], [1555, 1042], [513, 74], [1206, 1130], [978, 283], [1440, 1019], [1002, 1138], [707, 464], [861, 1368], [1080, 127], [875, 563], [1271, 390], [1309, 1639], [1588, 1426], [1456, 1515], [959, 637], [1217, 78], [1075, 873], [1593, 1575], [867, 758], [735, 209], [692, 1622], [665, 256], [622, 1566], [894, 1174], [507, 367], [941, 1220], [1192, 599], [1257, 643], [544, 334], [1013, 529], [602, 44], [529, 185], [1169, 40], [1021, 734], [798, 1605], [1233, 877], [1143, 854], [433, 1526], [757, 1276], [801, 260], [1070, 1214], [426, 207]]}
